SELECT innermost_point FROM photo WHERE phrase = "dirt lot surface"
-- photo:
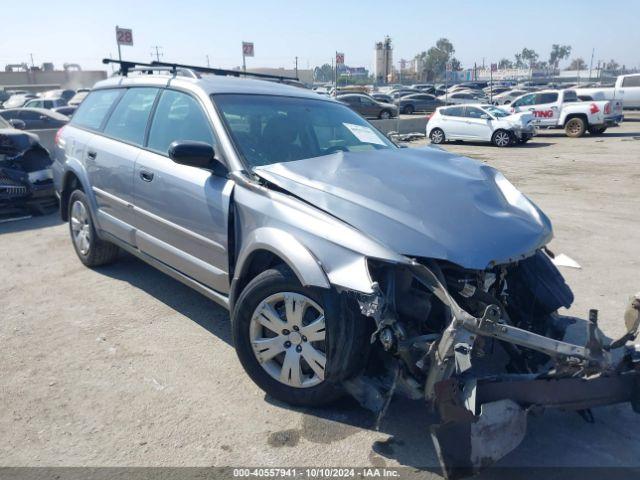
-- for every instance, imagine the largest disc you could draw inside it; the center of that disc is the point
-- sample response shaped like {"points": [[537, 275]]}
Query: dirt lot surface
{"points": [[123, 366]]}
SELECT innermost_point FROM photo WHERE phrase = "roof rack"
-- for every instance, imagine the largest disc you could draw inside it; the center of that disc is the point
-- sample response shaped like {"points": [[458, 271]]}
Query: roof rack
{"points": [[126, 66]]}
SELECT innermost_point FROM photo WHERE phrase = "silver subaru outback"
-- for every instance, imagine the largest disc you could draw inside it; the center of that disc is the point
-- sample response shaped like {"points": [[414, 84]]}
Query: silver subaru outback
{"points": [[349, 265]]}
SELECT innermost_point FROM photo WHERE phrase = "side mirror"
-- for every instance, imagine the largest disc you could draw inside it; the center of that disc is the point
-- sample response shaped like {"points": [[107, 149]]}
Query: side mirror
{"points": [[197, 154], [484, 116], [44, 117], [17, 123]]}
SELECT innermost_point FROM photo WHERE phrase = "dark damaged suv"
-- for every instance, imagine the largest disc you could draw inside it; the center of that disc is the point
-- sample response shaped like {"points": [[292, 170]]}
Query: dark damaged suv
{"points": [[349, 265]]}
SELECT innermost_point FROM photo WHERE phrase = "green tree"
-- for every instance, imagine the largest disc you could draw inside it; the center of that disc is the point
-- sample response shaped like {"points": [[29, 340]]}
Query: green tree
{"points": [[323, 73], [612, 66], [558, 53], [577, 64], [433, 62], [505, 63]]}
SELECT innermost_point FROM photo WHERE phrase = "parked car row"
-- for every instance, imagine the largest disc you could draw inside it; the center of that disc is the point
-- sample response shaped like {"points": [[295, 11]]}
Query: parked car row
{"points": [[64, 101]]}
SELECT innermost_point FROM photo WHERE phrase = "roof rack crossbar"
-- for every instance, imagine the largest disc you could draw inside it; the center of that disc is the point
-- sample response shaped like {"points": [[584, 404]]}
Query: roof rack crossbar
{"points": [[220, 71], [126, 66]]}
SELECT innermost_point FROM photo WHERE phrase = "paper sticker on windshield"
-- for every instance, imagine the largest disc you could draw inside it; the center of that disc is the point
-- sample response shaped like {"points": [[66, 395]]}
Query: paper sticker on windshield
{"points": [[364, 134]]}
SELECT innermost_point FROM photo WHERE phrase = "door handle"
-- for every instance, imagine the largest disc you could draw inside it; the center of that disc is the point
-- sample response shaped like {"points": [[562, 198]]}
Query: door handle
{"points": [[91, 154], [146, 176]]}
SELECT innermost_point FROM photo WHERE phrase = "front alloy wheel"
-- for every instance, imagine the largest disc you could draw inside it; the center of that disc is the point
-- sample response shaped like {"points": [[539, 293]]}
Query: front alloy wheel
{"points": [[287, 334], [502, 138], [297, 343]]}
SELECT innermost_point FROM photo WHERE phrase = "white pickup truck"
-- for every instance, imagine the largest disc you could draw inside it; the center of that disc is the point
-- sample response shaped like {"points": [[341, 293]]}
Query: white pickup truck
{"points": [[563, 109], [626, 90]]}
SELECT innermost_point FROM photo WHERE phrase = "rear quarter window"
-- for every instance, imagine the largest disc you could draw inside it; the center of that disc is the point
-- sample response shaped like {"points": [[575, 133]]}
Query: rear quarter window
{"points": [[633, 81], [93, 110]]}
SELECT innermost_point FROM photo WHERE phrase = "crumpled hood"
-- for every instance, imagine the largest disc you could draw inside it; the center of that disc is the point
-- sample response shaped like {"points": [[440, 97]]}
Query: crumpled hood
{"points": [[420, 203]]}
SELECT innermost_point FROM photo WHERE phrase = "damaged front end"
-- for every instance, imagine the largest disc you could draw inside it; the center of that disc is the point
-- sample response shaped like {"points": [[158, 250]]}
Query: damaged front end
{"points": [[26, 182], [486, 347]]}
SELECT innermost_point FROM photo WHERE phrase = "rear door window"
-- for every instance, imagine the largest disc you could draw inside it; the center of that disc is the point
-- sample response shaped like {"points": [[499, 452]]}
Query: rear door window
{"points": [[454, 111], [92, 112], [178, 116], [548, 97], [128, 122]]}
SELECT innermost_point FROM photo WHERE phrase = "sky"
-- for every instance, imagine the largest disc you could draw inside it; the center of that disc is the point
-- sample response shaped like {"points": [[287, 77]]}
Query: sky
{"points": [[83, 31]]}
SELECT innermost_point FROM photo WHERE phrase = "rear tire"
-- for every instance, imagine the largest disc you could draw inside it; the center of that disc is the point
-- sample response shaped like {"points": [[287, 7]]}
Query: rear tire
{"points": [[91, 250], [575, 127], [266, 333], [437, 136], [502, 138]]}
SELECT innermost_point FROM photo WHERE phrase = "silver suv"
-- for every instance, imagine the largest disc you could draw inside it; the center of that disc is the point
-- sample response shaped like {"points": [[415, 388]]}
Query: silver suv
{"points": [[348, 264]]}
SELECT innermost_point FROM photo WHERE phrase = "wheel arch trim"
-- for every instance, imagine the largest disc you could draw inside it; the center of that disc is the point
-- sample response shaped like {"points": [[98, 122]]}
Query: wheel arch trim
{"points": [[291, 251]]}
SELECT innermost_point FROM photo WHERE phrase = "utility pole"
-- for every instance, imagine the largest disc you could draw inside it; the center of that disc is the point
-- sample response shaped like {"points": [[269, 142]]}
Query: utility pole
{"points": [[32, 64], [296, 67], [593, 51], [158, 53], [208, 64]]}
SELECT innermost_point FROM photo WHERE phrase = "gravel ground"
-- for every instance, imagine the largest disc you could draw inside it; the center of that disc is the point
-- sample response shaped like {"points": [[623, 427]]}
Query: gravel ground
{"points": [[123, 366]]}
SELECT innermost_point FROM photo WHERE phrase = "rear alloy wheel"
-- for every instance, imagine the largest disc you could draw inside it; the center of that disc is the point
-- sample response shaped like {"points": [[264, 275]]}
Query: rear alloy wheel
{"points": [[437, 136], [385, 115], [91, 250], [502, 138], [575, 127]]}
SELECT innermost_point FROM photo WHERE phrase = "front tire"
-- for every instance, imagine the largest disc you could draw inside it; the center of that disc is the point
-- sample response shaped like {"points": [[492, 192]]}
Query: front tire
{"points": [[408, 110], [502, 138], [385, 115], [91, 250], [437, 136], [575, 127], [294, 342]]}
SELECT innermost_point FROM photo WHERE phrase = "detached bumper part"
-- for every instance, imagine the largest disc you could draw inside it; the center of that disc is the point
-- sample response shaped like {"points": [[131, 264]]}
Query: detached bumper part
{"points": [[466, 442]]}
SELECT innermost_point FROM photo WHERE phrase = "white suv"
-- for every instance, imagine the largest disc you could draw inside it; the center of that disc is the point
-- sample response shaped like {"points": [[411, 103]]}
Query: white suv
{"points": [[485, 123]]}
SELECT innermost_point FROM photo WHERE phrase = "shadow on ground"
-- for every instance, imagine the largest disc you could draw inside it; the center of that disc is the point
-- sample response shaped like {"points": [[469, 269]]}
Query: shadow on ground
{"points": [[172, 293], [23, 223]]}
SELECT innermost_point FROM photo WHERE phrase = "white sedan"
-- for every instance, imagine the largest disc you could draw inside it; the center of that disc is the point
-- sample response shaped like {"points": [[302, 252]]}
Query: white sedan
{"points": [[480, 123], [463, 96]]}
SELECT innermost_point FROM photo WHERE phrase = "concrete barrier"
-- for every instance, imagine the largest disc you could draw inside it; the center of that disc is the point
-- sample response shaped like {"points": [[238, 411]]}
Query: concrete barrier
{"points": [[417, 123]]}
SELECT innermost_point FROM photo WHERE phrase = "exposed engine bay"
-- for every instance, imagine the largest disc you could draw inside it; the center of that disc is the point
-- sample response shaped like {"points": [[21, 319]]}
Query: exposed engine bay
{"points": [[26, 182], [485, 347]]}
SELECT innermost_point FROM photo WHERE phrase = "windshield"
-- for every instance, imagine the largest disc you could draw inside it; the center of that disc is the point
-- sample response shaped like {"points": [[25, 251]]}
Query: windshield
{"points": [[496, 112], [269, 129]]}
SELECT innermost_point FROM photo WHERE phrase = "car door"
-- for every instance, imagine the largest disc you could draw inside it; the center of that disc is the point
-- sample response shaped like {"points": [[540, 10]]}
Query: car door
{"points": [[354, 103], [524, 103], [545, 109], [31, 119], [370, 108], [453, 122], [182, 211], [478, 124], [110, 159]]}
